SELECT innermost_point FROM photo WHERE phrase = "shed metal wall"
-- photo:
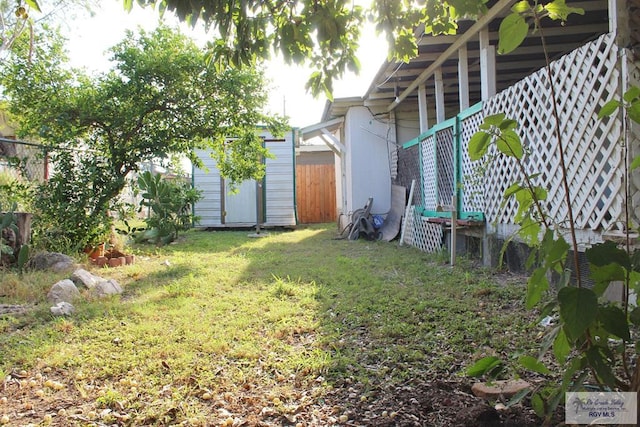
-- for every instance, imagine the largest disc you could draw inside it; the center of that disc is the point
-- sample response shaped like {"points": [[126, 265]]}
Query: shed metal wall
{"points": [[278, 188], [208, 208], [279, 183]]}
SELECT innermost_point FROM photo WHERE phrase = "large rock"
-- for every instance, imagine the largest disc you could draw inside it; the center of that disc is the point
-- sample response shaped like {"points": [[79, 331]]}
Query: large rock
{"points": [[82, 277], [107, 287], [62, 309], [63, 291], [51, 261], [498, 389]]}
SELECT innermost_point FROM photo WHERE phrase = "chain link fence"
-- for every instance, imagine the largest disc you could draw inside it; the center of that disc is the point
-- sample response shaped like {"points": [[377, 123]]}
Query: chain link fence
{"points": [[23, 161]]}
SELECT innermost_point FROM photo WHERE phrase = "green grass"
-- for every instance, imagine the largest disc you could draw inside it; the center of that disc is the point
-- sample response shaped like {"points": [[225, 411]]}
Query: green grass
{"points": [[220, 323]]}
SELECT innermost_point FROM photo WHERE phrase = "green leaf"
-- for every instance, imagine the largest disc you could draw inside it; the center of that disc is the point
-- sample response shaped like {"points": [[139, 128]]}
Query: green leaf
{"points": [[547, 310], [608, 252], [578, 310], [483, 366], [634, 280], [561, 347], [513, 30], [634, 316], [558, 10], [614, 321], [513, 189], [508, 124], [525, 201], [478, 145], [529, 231], [536, 286], [576, 364], [533, 364], [631, 94], [23, 256], [604, 275], [509, 143], [521, 7], [554, 249], [494, 119], [608, 109], [635, 163], [634, 112], [517, 398], [601, 365], [537, 403], [33, 4]]}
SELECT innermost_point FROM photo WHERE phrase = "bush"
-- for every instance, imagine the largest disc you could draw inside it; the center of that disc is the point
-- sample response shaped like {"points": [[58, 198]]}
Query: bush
{"points": [[170, 202]]}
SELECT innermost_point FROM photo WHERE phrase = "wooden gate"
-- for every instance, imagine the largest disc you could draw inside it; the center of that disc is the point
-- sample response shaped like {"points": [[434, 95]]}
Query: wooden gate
{"points": [[316, 193]]}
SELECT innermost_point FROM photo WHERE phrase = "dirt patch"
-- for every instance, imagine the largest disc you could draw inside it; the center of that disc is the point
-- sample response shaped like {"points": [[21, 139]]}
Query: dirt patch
{"points": [[422, 402]]}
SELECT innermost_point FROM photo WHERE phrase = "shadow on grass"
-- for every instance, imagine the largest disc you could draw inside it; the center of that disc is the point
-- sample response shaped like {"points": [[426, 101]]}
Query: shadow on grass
{"points": [[378, 334], [398, 327]]}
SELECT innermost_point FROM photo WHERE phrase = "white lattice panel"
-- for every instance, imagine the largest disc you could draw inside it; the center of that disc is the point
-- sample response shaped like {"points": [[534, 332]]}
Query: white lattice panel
{"points": [[445, 166], [472, 184], [422, 234], [584, 80], [429, 182]]}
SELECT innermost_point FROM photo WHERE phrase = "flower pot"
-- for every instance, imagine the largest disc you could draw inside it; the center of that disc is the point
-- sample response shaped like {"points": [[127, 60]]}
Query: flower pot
{"points": [[115, 262], [96, 251], [101, 261]]}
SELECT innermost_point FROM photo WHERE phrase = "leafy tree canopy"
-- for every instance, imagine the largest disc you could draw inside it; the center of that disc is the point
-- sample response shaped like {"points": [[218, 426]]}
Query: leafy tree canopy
{"points": [[159, 99], [20, 16], [323, 33]]}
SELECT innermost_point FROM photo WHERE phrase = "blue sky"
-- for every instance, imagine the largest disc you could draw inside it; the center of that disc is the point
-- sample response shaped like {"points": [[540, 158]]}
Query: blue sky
{"points": [[91, 37]]}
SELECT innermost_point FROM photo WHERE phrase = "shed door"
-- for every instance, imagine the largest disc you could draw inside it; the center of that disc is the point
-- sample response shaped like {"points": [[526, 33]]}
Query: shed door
{"points": [[241, 206]]}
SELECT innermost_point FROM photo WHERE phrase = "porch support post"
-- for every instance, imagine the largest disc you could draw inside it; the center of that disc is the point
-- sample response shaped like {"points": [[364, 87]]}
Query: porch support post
{"points": [[487, 65], [422, 108], [620, 22], [439, 86], [463, 77]]}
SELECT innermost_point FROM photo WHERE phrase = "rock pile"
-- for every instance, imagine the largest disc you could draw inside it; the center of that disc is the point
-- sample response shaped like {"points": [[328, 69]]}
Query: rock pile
{"points": [[64, 292]]}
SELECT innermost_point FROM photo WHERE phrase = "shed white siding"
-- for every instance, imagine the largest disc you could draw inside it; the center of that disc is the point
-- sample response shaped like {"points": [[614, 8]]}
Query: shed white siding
{"points": [[218, 208], [279, 188], [208, 208]]}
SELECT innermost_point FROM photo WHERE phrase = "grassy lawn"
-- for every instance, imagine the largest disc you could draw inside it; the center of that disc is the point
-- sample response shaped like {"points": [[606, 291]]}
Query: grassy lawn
{"points": [[295, 328]]}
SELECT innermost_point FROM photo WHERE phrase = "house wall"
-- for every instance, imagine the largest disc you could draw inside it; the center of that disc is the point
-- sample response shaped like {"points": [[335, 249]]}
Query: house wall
{"points": [[278, 190], [407, 125], [369, 142]]}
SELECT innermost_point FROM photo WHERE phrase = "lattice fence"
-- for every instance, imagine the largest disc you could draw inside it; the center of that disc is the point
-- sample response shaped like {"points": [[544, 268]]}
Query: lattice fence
{"points": [[408, 169], [472, 173], [429, 176], [584, 79], [445, 166], [422, 234]]}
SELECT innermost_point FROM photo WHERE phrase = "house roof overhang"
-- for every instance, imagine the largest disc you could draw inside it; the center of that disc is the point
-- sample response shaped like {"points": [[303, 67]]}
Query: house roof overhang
{"points": [[395, 86], [325, 131]]}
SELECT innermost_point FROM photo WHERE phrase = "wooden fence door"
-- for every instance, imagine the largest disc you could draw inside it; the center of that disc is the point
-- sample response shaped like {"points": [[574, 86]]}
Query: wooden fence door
{"points": [[316, 193]]}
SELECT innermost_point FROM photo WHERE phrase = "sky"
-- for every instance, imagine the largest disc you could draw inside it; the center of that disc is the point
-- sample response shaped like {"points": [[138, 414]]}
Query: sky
{"points": [[90, 37]]}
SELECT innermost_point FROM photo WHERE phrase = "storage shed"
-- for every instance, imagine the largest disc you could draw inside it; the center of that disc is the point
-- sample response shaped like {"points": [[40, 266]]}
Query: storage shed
{"points": [[269, 202]]}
